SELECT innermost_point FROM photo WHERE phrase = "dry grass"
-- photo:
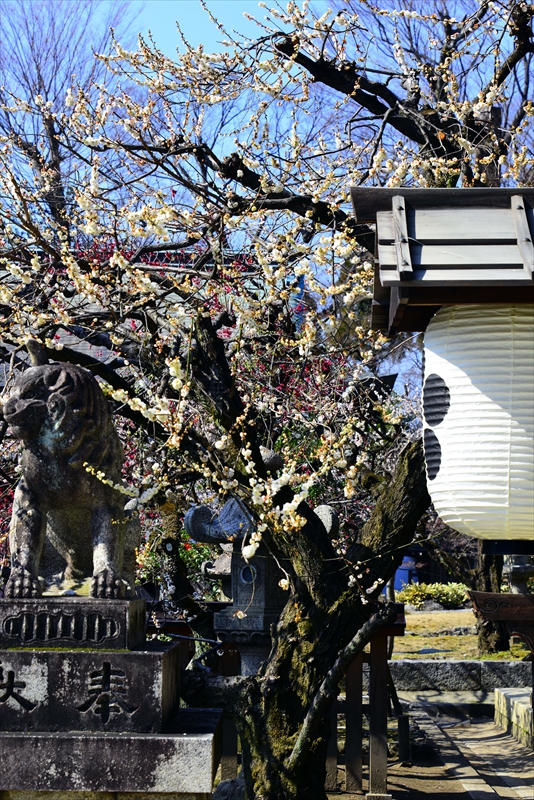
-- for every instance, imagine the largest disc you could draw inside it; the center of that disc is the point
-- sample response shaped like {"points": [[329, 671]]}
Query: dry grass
{"points": [[436, 647], [415, 644], [434, 621]]}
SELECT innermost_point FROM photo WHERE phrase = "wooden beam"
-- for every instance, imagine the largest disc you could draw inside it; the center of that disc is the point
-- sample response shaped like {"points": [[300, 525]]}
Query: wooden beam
{"points": [[416, 318], [443, 226], [330, 783], [380, 293], [523, 232], [353, 731], [399, 298], [402, 247], [466, 295], [378, 717], [496, 606], [379, 317], [491, 256], [459, 277]]}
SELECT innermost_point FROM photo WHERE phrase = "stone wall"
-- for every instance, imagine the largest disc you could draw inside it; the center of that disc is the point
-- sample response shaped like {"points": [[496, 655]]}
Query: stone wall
{"points": [[412, 675]]}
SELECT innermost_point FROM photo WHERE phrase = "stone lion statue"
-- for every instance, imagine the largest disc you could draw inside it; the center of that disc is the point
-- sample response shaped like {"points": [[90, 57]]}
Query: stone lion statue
{"points": [[66, 523]]}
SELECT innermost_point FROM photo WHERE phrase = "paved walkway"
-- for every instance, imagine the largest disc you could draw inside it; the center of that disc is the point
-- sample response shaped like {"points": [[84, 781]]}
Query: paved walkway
{"points": [[486, 761], [477, 759]]}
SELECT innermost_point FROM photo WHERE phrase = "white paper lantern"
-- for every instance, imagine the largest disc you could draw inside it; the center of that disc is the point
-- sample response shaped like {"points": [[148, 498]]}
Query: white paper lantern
{"points": [[478, 410]]}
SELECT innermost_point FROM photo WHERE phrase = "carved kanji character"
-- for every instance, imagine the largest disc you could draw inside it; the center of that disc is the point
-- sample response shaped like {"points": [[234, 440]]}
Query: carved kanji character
{"points": [[9, 687], [106, 686]]}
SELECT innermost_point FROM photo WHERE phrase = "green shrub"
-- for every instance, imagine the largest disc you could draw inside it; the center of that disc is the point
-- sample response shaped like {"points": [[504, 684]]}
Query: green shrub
{"points": [[449, 595], [413, 593]]}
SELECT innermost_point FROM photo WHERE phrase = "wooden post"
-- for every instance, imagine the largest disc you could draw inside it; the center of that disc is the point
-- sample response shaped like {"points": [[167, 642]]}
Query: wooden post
{"points": [[230, 665], [330, 783], [524, 236], [353, 714], [378, 720], [403, 722], [405, 749]]}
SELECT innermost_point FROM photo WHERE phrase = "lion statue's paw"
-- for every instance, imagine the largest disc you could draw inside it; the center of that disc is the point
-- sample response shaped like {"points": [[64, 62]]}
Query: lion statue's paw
{"points": [[22, 583], [107, 584]]}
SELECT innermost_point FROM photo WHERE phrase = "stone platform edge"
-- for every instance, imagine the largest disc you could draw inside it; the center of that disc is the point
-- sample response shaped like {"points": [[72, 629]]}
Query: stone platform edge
{"points": [[184, 760], [104, 796]]}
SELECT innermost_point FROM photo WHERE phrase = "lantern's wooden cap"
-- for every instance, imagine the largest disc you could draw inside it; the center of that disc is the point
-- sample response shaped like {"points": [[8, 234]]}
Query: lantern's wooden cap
{"points": [[443, 246]]}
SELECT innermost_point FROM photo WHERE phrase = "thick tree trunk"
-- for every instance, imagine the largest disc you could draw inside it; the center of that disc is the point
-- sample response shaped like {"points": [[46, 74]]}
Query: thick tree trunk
{"points": [[492, 635], [484, 577], [283, 713]]}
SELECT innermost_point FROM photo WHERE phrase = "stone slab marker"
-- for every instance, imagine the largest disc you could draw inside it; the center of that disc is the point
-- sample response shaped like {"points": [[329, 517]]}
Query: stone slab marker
{"points": [[82, 722]]}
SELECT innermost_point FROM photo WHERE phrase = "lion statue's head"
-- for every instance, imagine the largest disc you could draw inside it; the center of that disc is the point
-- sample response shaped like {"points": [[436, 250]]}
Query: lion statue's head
{"points": [[61, 408]]}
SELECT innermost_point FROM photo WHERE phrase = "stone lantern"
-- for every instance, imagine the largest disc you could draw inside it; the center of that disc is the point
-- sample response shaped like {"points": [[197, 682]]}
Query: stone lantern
{"points": [[257, 598]]}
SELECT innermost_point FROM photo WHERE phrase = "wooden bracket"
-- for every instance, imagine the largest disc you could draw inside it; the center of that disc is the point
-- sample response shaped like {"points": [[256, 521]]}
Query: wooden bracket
{"points": [[524, 236], [402, 247], [398, 299]]}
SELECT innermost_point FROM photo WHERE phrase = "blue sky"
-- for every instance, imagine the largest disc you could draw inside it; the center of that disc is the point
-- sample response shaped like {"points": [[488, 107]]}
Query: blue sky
{"points": [[160, 16]]}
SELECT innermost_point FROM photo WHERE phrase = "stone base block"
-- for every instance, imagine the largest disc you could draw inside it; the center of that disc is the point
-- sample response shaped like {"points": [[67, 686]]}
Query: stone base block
{"points": [[181, 762], [81, 690], [499, 674], [104, 796], [514, 713], [72, 622]]}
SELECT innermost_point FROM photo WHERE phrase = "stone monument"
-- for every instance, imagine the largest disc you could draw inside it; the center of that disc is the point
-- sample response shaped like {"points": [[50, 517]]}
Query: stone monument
{"points": [[87, 705]]}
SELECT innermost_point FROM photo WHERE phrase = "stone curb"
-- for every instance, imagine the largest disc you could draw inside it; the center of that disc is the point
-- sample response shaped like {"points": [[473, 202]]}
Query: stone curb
{"points": [[514, 713], [410, 675]]}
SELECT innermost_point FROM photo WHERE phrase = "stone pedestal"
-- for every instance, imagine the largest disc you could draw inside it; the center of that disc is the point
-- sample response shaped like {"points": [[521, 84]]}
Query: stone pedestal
{"points": [[183, 760], [88, 707], [98, 690]]}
